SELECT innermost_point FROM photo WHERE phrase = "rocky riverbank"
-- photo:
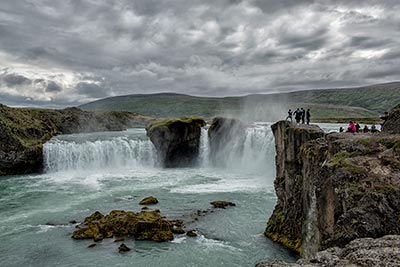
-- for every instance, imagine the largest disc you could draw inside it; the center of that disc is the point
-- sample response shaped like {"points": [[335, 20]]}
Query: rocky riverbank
{"points": [[334, 188], [23, 131]]}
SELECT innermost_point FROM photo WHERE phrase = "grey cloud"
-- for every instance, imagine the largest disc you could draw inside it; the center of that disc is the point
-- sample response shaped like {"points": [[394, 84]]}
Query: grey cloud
{"points": [[13, 79], [96, 49], [92, 90], [53, 87]]}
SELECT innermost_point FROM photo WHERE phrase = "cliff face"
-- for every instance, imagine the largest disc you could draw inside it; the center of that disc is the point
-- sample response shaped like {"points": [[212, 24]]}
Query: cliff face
{"points": [[177, 140], [392, 124], [333, 188], [23, 131]]}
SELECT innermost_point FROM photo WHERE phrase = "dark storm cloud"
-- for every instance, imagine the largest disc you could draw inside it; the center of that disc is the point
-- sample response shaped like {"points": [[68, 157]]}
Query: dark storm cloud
{"points": [[61, 52], [53, 87], [12, 80]]}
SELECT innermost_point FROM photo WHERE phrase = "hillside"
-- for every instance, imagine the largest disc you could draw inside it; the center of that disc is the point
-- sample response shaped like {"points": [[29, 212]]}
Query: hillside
{"points": [[370, 101]]}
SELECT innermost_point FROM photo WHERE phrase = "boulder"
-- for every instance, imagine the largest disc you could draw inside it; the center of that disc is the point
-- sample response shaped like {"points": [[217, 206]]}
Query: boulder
{"points": [[333, 188], [220, 204], [148, 201], [144, 225], [392, 123], [362, 252], [176, 140], [226, 136], [123, 248]]}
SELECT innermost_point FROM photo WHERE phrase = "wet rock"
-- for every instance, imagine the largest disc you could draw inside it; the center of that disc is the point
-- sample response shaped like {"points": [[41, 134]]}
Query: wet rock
{"points": [[191, 233], [220, 204], [178, 230], [119, 239], [123, 248], [91, 245], [145, 208], [145, 225], [73, 222], [177, 140], [363, 252], [149, 201]]}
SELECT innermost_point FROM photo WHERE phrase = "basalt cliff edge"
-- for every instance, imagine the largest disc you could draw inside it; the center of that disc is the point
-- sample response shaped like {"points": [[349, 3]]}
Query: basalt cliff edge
{"points": [[335, 188]]}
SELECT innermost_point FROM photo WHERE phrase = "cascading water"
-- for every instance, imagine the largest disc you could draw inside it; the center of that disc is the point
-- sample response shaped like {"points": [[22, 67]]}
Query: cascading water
{"points": [[105, 152], [254, 153], [115, 170]]}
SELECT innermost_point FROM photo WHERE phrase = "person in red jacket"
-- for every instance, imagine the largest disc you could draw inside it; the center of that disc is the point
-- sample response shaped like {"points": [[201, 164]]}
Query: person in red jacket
{"points": [[352, 127]]}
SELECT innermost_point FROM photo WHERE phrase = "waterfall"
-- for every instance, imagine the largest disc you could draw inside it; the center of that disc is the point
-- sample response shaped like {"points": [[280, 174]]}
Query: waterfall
{"points": [[255, 152], [204, 152], [116, 152]]}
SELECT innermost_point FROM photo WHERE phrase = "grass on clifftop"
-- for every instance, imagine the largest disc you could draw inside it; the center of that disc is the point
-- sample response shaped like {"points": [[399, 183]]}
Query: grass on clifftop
{"points": [[164, 124]]}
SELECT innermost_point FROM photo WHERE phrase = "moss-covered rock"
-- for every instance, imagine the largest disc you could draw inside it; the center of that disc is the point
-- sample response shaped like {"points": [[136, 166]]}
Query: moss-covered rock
{"points": [[177, 140], [23, 131], [144, 225], [123, 248], [148, 201], [221, 204]]}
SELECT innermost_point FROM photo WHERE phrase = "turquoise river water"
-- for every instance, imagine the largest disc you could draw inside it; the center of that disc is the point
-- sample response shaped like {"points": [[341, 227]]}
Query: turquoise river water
{"points": [[115, 170]]}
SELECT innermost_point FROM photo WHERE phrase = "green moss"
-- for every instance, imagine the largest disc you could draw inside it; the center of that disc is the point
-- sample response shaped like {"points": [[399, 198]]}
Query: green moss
{"points": [[165, 124], [277, 232], [340, 161]]}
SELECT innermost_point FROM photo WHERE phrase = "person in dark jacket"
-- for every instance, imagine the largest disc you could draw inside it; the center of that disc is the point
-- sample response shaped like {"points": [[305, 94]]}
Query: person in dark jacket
{"points": [[308, 116], [303, 114], [297, 115], [290, 114]]}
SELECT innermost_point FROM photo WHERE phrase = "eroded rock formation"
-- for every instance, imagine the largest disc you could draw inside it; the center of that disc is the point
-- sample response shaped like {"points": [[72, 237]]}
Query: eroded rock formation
{"points": [[362, 252], [23, 131], [392, 123], [333, 188], [177, 140]]}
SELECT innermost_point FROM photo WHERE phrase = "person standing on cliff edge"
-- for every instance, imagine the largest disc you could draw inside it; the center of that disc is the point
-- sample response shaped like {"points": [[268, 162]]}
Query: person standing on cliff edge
{"points": [[290, 115], [308, 116]]}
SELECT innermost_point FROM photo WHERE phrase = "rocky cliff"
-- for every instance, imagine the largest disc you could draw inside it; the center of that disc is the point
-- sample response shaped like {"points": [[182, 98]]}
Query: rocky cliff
{"points": [[362, 252], [392, 123], [333, 188], [23, 131], [177, 140]]}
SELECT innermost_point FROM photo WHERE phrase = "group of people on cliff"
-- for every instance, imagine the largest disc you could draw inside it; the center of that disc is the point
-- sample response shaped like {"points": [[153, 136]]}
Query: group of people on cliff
{"points": [[354, 127], [299, 114]]}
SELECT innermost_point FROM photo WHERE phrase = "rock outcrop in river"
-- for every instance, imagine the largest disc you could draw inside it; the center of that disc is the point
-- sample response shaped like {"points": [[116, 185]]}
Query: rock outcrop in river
{"points": [[177, 140], [333, 188], [23, 131], [145, 225]]}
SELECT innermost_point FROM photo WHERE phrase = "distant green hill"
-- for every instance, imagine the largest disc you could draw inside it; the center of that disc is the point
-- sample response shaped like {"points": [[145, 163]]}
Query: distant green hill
{"points": [[368, 101]]}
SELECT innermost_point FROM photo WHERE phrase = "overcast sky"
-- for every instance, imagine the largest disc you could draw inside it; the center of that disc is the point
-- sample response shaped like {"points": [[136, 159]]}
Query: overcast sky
{"points": [[66, 52]]}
